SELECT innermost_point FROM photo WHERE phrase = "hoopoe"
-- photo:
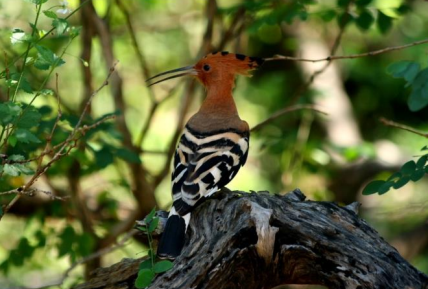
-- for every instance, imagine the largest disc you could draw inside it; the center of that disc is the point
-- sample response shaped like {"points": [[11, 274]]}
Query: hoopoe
{"points": [[213, 146]]}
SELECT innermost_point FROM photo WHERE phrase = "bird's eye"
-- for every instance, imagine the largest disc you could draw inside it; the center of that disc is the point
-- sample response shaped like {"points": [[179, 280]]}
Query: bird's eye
{"points": [[206, 67]]}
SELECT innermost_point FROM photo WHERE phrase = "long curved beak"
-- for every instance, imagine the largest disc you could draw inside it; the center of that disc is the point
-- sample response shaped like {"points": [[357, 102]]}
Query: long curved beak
{"points": [[188, 70]]}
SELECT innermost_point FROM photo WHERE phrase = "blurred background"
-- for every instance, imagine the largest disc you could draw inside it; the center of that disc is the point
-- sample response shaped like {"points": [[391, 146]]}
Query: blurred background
{"points": [[121, 169]]}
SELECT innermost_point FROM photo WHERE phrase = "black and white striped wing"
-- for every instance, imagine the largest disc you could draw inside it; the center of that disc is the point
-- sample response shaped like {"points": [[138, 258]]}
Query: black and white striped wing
{"points": [[204, 164]]}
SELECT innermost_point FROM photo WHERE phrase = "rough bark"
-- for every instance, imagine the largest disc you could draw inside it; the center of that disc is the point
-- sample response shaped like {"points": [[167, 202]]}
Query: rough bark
{"points": [[260, 240]]}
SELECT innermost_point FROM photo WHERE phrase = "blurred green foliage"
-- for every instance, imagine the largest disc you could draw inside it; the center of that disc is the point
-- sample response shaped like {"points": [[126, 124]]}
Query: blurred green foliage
{"points": [[43, 237]]}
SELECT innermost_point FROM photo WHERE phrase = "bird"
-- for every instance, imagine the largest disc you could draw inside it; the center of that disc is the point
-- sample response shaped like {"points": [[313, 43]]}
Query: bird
{"points": [[214, 143]]}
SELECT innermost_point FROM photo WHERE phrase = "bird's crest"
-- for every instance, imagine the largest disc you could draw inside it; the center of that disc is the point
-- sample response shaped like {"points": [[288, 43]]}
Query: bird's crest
{"points": [[214, 67], [238, 63]]}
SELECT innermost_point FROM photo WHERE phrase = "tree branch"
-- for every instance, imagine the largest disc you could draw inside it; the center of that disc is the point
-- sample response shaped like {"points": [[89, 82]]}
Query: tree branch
{"points": [[260, 240], [142, 189], [402, 126], [352, 56], [286, 110]]}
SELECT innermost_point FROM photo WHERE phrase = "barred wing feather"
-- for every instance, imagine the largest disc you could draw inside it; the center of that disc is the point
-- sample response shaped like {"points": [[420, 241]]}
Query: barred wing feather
{"points": [[204, 164]]}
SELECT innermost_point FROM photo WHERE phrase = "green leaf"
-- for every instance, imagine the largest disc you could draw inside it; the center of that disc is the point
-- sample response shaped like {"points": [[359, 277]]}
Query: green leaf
{"points": [[425, 148], [50, 14], [128, 155], [373, 187], [362, 3], [47, 58], [383, 189], [162, 266], [150, 216], [16, 158], [403, 9], [9, 111], [384, 22], [394, 176], [11, 170], [41, 64], [327, 15], [25, 136], [29, 119], [66, 238], [422, 161], [364, 20], [86, 244], [419, 97], [12, 140], [74, 32], [150, 254], [146, 264], [37, 2], [41, 237], [404, 69], [344, 19], [24, 169], [417, 175], [60, 24], [142, 229], [15, 170], [104, 157], [153, 225], [47, 91], [4, 111], [401, 182], [408, 168], [25, 85], [343, 3], [145, 277]]}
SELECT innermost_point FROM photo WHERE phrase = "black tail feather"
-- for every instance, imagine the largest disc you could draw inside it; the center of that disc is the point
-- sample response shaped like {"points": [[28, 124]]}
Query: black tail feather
{"points": [[172, 240]]}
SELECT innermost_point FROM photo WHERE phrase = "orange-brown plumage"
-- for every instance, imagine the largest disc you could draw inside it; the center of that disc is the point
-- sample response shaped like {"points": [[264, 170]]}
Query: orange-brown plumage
{"points": [[217, 72]]}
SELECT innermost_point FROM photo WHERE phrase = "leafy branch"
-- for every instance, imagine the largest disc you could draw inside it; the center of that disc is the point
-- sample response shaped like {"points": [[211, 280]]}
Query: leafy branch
{"points": [[65, 148], [149, 267], [49, 32]]}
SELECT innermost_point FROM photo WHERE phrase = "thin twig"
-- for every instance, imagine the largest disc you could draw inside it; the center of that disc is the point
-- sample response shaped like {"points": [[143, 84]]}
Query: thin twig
{"points": [[285, 111], [402, 126], [352, 56], [149, 121], [58, 117], [32, 193]]}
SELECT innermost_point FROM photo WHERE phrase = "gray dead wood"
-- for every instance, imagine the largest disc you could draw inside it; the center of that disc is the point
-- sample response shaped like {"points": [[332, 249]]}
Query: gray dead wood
{"points": [[260, 240]]}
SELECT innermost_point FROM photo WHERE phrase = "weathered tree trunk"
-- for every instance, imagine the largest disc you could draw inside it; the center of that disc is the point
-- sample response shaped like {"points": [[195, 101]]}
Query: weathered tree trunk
{"points": [[259, 240]]}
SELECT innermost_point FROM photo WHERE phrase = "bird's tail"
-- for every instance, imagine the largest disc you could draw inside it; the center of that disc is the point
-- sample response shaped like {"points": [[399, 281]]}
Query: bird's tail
{"points": [[172, 240]]}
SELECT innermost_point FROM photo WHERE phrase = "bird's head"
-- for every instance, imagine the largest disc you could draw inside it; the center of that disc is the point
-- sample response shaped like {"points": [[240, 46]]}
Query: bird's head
{"points": [[214, 69]]}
